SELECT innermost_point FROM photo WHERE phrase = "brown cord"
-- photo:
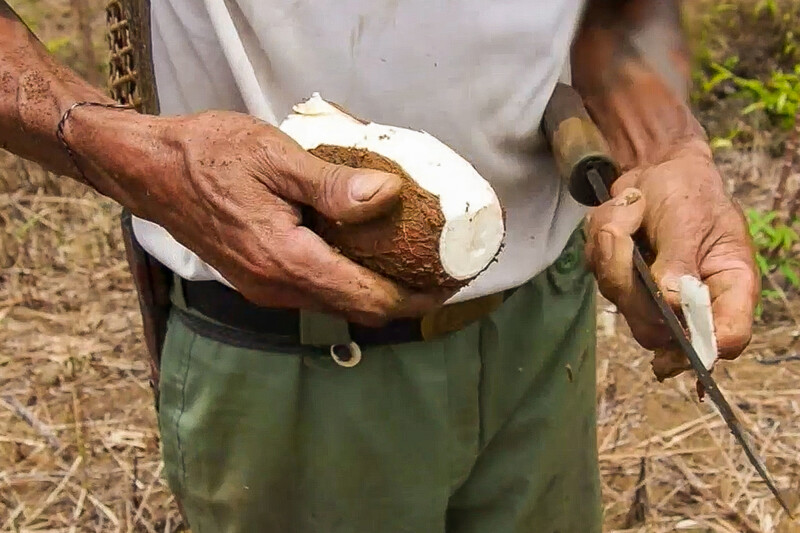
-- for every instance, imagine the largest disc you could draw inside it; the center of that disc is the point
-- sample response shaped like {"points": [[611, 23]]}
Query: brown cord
{"points": [[63, 121]]}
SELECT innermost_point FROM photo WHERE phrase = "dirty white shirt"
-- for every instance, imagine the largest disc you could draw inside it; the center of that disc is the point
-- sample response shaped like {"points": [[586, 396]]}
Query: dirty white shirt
{"points": [[476, 74]]}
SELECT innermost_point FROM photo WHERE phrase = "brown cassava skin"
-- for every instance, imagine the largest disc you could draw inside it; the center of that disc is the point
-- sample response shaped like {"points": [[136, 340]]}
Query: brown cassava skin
{"points": [[403, 244]]}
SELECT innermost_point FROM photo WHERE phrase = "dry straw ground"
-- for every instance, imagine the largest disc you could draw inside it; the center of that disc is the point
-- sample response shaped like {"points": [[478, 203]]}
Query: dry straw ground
{"points": [[78, 441]]}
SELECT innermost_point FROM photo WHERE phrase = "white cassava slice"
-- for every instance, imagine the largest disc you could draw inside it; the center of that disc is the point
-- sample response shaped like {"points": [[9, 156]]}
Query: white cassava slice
{"points": [[449, 224], [696, 305]]}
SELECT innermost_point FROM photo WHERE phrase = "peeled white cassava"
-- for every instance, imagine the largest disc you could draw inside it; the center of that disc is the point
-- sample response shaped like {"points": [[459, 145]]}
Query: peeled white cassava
{"points": [[696, 306], [448, 225]]}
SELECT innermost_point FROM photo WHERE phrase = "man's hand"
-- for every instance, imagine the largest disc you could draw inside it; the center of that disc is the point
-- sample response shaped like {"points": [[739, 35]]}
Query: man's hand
{"points": [[630, 65], [695, 229], [231, 188], [227, 186]]}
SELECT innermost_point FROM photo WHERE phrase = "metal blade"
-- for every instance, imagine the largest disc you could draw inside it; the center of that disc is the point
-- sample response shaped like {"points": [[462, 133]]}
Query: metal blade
{"points": [[679, 334]]}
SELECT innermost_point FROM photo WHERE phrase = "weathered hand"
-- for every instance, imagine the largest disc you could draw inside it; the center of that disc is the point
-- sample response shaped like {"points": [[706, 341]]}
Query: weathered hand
{"points": [[230, 188], [694, 228]]}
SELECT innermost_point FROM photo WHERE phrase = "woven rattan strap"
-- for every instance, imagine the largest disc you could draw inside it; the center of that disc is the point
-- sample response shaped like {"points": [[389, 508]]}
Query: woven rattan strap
{"points": [[122, 74], [131, 80], [132, 83]]}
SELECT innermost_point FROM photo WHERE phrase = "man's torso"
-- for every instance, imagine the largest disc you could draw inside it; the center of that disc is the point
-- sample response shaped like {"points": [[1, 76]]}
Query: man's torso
{"points": [[475, 74]]}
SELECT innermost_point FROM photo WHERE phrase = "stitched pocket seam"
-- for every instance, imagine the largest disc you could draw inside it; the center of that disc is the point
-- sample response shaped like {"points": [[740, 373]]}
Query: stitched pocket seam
{"points": [[181, 410]]}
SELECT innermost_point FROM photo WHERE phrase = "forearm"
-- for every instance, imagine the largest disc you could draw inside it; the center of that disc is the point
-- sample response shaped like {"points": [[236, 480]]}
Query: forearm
{"points": [[34, 93], [117, 150], [631, 66]]}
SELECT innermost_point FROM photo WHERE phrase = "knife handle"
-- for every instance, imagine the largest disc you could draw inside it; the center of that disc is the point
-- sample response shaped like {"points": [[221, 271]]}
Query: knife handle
{"points": [[577, 144]]}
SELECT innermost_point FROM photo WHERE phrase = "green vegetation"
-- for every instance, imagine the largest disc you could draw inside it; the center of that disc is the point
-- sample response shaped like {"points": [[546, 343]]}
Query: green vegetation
{"points": [[774, 241], [778, 95], [747, 95], [747, 79]]}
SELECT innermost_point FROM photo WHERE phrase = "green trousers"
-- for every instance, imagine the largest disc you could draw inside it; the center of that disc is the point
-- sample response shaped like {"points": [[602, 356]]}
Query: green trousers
{"points": [[491, 429]]}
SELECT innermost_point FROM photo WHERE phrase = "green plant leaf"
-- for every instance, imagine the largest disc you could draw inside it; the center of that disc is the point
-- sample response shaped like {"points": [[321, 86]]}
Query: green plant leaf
{"points": [[791, 275], [752, 107], [770, 295], [56, 45], [763, 264], [721, 142]]}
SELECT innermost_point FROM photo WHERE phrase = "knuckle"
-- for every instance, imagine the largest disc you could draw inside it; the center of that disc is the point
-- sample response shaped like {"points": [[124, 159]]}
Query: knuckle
{"points": [[667, 273], [594, 220], [615, 294], [330, 174], [751, 279], [272, 160], [614, 280], [612, 230], [607, 284], [331, 180], [603, 218]]}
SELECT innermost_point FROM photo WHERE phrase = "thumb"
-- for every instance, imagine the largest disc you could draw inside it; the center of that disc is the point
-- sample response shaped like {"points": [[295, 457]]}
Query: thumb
{"points": [[339, 192], [609, 247]]}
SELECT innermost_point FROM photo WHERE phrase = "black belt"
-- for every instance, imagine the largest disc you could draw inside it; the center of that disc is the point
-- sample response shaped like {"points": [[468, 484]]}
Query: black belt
{"points": [[226, 306], [222, 304]]}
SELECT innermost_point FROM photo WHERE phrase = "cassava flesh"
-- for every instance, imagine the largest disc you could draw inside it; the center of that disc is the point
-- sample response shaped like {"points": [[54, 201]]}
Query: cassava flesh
{"points": [[447, 226]]}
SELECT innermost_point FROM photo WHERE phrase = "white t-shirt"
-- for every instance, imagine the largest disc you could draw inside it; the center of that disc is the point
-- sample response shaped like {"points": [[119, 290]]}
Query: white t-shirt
{"points": [[476, 74]]}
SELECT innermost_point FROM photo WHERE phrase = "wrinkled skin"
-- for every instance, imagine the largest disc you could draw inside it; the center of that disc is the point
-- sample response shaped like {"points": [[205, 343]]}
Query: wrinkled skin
{"points": [[226, 185], [243, 182], [694, 228], [631, 65], [231, 187]]}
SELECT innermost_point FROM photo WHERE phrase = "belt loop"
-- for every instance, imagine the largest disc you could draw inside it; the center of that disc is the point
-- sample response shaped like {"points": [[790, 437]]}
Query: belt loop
{"points": [[178, 293], [319, 329]]}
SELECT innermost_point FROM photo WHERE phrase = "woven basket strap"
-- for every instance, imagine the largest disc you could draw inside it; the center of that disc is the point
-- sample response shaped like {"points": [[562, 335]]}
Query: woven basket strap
{"points": [[131, 82], [131, 79]]}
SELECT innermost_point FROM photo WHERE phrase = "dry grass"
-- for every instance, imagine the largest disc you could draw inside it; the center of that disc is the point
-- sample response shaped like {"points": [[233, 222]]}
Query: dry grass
{"points": [[669, 462], [78, 442], [79, 445]]}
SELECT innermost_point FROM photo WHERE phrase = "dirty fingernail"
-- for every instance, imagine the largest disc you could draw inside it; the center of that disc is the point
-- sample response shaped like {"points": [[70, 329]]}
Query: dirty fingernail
{"points": [[628, 197]]}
